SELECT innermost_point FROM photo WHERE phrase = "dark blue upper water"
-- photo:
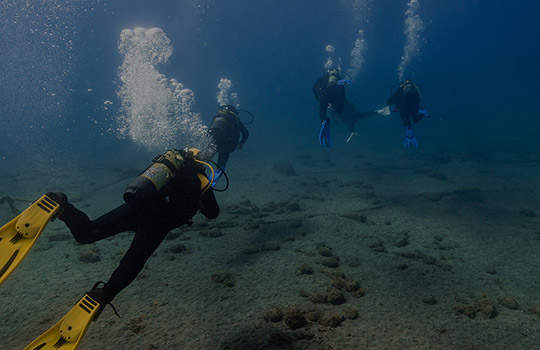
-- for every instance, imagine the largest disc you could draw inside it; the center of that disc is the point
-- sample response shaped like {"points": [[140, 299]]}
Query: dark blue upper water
{"points": [[477, 65]]}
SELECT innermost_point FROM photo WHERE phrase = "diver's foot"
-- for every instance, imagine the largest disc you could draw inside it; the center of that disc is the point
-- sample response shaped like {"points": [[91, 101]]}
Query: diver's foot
{"points": [[58, 197], [99, 295], [67, 211]]}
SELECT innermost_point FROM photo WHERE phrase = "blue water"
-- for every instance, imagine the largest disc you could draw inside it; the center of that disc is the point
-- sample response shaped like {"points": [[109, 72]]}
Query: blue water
{"points": [[477, 65]]}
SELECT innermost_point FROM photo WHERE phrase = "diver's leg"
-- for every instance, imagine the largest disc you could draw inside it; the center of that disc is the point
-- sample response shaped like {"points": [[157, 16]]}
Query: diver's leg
{"points": [[405, 117], [86, 231], [148, 237], [416, 117], [339, 99], [364, 115], [412, 104], [223, 157], [323, 104]]}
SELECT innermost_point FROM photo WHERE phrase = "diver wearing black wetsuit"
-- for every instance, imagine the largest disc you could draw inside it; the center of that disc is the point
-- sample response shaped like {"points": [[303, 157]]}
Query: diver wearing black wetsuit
{"points": [[228, 133], [407, 101], [174, 206], [327, 91]]}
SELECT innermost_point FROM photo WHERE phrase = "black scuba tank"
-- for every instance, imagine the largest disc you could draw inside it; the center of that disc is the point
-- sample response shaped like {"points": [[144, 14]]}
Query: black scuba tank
{"points": [[143, 191]]}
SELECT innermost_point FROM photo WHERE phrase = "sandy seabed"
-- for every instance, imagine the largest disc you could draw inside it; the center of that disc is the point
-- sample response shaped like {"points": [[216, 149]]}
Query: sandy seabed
{"points": [[396, 250]]}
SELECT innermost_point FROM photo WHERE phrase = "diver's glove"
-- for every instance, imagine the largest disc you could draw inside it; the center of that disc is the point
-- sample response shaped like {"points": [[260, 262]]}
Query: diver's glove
{"points": [[410, 140], [344, 82], [324, 134], [217, 175], [423, 113], [383, 111]]}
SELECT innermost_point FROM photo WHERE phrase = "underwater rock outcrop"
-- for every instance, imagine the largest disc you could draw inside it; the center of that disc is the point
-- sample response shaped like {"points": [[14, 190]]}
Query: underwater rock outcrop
{"points": [[296, 317], [528, 212], [377, 245], [178, 248], [305, 269], [89, 254], [10, 202], [136, 324], [284, 168], [508, 302], [324, 250], [355, 216], [266, 246], [274, 314], [482, 306], [224, 277], [402, 239], [429, 299], [335, 294], [293, 317]]}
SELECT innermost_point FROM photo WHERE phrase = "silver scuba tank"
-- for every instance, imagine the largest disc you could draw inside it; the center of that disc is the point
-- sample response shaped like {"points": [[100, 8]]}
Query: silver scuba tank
{"points": [[143, 191]]}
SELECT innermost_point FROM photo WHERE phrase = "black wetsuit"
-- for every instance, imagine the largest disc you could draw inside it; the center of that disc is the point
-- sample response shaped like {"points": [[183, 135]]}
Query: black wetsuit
{"points": [[226, 130], [329, 92], [178, 202], [407, 101], [351, 116]]}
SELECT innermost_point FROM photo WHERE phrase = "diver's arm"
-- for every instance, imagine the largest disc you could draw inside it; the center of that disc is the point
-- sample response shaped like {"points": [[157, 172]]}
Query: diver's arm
{"points": [[318, 85], [316, 91], [362, 115], [245, 134], [392, 99]]}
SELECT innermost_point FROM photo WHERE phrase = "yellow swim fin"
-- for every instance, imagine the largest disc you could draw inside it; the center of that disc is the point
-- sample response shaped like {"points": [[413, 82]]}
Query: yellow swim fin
{"points": [[20, 234], [69, 331]]}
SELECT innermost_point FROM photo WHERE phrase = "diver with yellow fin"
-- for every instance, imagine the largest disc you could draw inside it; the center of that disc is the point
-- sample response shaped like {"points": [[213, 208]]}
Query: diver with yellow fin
{"points": [[18, 236], [163, 197]]}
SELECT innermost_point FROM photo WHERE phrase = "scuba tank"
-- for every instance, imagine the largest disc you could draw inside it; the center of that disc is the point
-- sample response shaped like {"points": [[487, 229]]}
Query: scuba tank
{"points": [[226, 117], [333, 76], [143, 192], [409, 87]]}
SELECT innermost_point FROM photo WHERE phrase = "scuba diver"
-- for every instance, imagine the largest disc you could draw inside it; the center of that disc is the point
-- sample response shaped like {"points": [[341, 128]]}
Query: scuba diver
{"points": [[329, 90], [228, 134], [407, 101], [165, 196]]}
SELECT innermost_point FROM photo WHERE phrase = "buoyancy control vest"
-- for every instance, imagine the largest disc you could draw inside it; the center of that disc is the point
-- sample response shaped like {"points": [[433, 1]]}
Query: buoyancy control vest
{"points": [[333, 76], [144, 191], [409, 87]]}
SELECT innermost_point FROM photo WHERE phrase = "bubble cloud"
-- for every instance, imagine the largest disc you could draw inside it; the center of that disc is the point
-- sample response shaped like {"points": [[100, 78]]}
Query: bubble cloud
{"points": [[157, 112], [330, 49], [357, 56], [413, 27], [225, 96]]}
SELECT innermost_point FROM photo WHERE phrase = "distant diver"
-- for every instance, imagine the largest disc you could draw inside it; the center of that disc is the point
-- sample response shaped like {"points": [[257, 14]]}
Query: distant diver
{"points": [[329, 90], [407, 101], [228, 134], [165, 196]]}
